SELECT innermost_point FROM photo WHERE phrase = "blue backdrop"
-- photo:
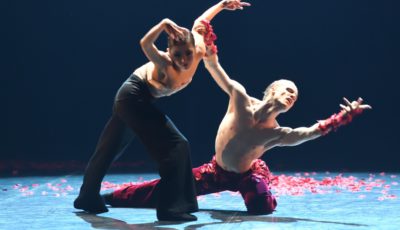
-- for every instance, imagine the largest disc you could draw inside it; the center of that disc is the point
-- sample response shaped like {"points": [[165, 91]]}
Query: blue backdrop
{"points": [[64, 60]]}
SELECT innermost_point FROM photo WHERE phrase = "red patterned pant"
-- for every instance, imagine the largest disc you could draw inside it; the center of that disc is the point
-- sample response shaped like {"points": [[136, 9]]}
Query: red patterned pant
{"points": [[253, 185]]}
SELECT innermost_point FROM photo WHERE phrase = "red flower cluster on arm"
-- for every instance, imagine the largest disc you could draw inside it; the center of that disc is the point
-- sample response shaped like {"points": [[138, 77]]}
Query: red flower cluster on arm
{"points": [[337, 120], [209, 36]]}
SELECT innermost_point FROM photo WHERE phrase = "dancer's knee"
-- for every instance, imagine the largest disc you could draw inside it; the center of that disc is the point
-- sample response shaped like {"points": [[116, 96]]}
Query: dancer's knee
{"points": [[183, 143], [173, 155], [181, 149], [260, 203]]}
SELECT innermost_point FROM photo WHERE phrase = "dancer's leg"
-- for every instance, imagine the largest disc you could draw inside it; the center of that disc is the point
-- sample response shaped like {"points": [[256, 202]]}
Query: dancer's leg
{"points": [[257, 197], [170, 149], [206, 181], [141, 195], [114, 138], [145, 194], [255, 189]]}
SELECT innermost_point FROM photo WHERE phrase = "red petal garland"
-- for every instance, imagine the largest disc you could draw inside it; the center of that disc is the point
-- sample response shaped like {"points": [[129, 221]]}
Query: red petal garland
{"points": [[337, 120], [209, 36]]}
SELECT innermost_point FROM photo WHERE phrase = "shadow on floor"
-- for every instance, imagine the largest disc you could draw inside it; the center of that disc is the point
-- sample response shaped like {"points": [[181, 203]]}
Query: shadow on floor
{"points": [[221, 216], [101, 222], [227, 216]]}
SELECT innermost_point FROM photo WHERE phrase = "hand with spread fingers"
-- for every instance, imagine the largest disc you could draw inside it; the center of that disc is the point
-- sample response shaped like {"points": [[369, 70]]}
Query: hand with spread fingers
{"points": [[344, 117], [174, 31], [354, 106], [234, 4]]}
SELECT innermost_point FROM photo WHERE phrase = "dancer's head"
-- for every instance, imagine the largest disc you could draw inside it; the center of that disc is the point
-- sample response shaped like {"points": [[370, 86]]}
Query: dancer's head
{"points": [[182, 51], [282, 94]]}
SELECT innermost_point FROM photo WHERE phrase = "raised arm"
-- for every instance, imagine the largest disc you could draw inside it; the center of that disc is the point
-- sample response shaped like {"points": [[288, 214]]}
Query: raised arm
{"points": [[224, 4], [147, 42], [209, 14], [291, 137], [231, 87]]}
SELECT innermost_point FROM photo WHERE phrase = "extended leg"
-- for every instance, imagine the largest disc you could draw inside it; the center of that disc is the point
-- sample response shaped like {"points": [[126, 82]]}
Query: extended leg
{"points": [[114, 138], [205, 179], [141, 195], [145, 194], [170, 149]]}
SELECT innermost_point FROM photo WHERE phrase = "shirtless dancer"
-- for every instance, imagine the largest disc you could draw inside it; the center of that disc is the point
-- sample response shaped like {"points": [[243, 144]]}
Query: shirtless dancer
{"points": [[134, 114], [248, 129]]}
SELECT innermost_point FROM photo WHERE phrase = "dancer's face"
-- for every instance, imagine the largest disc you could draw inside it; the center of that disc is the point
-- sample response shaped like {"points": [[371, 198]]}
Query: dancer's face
{"points": [[182, 55], [284, 93]]}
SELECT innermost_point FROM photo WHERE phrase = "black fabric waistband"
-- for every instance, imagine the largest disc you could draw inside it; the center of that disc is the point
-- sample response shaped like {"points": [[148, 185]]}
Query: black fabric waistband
{"points": [[134, 88]]}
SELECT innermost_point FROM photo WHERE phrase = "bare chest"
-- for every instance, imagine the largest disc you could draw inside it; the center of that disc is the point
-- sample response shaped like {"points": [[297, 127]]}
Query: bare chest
{"points": [[168, 81], [236, 137], [173, 80]]}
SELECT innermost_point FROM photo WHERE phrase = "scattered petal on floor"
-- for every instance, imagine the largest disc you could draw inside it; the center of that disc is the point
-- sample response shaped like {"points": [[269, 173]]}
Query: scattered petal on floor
{"points": [[297, 184]]}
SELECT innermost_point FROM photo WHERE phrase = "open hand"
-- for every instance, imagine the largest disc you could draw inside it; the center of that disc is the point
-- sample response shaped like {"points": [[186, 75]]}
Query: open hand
{"points": [[354, 105], [174, 31], [234, 4]]}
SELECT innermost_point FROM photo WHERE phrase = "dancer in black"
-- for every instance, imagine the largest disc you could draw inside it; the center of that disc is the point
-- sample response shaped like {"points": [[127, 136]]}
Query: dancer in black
{"points": [[135, 114]]}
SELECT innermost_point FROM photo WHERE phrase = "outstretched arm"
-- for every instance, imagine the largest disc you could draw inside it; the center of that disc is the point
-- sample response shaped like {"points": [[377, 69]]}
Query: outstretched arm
{"points": [[147, 42], [218, 73], [208, 15], [291, 137], [224, 4]]}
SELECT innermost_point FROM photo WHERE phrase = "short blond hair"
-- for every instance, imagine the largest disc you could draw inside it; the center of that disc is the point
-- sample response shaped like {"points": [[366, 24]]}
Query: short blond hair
{"points": [[271, 86], [268, 89]]}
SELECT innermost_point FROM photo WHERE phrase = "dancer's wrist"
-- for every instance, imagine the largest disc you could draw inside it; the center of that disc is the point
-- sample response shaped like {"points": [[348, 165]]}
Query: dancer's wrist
{"points": [[336, 120]]}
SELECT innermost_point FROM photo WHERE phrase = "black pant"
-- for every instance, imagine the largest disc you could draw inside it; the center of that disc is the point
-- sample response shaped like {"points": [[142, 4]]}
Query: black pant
{"points": [[135, 114]]}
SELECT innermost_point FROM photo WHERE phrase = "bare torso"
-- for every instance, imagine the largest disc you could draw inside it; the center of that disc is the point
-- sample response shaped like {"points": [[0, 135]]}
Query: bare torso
{"points": [[164, 82], [240, 140]]}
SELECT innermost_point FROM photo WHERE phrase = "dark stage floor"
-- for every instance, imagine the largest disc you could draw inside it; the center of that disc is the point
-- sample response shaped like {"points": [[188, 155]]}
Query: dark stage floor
{"points": [[305, 201]]}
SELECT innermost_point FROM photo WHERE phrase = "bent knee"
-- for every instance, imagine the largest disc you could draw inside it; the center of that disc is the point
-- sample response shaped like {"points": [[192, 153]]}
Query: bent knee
{"points": [[181, 149], [183, 143], [260, 204], [174, 153]]}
